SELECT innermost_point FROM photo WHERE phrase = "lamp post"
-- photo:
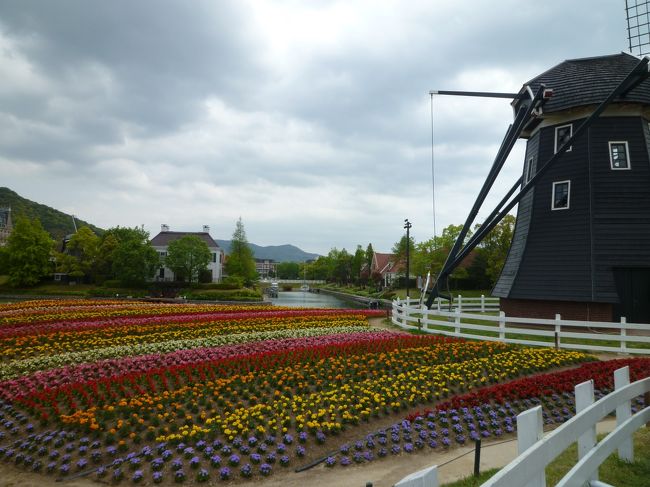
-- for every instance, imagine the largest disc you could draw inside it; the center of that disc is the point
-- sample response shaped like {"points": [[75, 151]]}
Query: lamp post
{"points": [[407, 225]]}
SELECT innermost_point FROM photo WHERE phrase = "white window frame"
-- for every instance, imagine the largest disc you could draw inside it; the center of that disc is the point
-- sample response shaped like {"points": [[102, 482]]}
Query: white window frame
{"points": [[568, 195], [570, 125], [527, 169], [627, 155]]}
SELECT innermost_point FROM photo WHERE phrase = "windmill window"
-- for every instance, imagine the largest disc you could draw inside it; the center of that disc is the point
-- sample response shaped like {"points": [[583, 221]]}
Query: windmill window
{"points": [[562, 135], [561, 194], [528, 170], [619, 155]]}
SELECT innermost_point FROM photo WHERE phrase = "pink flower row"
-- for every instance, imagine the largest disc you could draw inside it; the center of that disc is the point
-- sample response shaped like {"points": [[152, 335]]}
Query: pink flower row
{"points": [[47, 328], [74, 374]]}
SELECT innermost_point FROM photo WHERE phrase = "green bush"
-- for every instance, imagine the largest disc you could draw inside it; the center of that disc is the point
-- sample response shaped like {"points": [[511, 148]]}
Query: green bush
{"points": [[224, 286], [112, 283], [226, 295]]}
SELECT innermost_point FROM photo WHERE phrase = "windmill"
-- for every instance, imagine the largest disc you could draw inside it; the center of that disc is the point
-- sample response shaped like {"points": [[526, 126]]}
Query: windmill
{"points": [[581, 245]]}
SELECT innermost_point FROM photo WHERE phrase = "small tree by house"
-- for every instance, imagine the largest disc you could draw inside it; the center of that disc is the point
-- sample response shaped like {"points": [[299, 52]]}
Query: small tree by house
{"points": [[187, 257], [240, 262], [28, 252]]}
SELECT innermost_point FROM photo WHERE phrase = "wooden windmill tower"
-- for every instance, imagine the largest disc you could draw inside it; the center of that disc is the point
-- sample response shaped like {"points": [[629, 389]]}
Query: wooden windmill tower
{"points": [[581, 245]]}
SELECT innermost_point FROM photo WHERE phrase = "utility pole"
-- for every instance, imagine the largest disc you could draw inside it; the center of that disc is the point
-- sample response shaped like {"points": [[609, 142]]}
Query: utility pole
{"points": [[407, 225]]}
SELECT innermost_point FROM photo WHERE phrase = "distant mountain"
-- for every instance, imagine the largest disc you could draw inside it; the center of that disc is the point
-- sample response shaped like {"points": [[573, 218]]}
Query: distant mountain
{"points": [[278, 253], [57, 223]]}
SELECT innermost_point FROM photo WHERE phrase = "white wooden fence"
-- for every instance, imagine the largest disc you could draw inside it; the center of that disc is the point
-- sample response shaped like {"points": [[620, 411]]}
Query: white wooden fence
{"points": [[536, 452], [627, 337], [463, 303]]}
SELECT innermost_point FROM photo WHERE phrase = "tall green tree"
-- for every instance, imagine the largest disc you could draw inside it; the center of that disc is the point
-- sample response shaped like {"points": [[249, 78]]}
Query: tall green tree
{"points": [[82, 252], [496, 245], [28, 253], [357, 263], [134, 259], [240, 262], [288, 270], [370, 253], [187, 257], [104, 265]]}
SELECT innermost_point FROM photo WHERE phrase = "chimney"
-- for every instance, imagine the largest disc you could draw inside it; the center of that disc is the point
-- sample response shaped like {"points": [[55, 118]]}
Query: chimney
{"points": [[206, 228], [164, 227]]}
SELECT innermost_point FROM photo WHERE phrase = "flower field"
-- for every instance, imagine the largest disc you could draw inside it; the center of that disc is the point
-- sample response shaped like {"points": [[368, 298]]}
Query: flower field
{"points": [[164, 393]]}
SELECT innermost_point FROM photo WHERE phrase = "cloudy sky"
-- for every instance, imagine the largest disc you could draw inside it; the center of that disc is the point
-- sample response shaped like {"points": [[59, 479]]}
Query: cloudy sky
{"points": [[309, 119]]}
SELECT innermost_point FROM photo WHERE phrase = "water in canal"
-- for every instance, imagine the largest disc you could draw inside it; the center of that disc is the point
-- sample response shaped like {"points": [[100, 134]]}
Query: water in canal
{"points": [[302, 299]]}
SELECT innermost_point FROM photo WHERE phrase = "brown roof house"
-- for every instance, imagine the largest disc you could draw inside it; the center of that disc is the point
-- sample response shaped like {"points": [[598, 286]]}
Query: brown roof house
{"points": [[387, 266], [161, 241]]}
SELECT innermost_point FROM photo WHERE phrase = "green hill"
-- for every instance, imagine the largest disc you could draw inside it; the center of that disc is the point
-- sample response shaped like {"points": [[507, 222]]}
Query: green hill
{"points": [[57, 223]]}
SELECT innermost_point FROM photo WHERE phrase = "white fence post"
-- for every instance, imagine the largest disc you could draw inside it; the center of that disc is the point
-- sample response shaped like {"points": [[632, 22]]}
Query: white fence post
{"points": [[623, 413], [584, 398], [558, 329], [623, 335], [502, 326], [460, 303], [423, 478], [530, 430], [482, 303], [457, 322]]}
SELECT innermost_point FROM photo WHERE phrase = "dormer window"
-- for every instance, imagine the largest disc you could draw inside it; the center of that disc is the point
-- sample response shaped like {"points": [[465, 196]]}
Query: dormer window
{"points": [[562, 135], [619, 155]]}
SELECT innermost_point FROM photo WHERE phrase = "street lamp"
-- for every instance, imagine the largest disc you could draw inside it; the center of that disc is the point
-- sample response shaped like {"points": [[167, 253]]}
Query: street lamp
{"points": [[407, 225]]}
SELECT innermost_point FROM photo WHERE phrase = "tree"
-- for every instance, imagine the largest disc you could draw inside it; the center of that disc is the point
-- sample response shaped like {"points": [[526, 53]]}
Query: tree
{"points": [[29, 249], [80, 259], [104, 264], [240, 261], [288, 270], [357, 263], [187, 257], [496, 245], [370, 253], [134, 259]]}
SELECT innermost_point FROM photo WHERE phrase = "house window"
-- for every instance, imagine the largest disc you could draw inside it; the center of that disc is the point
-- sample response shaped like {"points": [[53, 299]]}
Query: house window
{"points": [[161, 273], [561, 194], [214, 256], [562, 135], [619, 155]]}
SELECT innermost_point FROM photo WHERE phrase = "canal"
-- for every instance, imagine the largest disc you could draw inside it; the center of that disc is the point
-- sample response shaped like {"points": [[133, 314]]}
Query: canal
{"points": [[302, 299]]}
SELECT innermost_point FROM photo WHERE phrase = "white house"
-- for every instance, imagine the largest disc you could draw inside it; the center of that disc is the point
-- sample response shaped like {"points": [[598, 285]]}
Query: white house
{"points": [[161, 241]]}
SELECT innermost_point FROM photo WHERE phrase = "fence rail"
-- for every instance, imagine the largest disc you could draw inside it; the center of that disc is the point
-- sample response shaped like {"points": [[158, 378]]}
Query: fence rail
{"points": [[616, 337], [537, 451]]}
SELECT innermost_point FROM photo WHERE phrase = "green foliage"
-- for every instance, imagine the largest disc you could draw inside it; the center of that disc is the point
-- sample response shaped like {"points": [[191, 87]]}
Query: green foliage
{"points": [[81, 255], [4, 261], [225, 295], [496, 245], [370, 253], [56, 223], [29, 249], [357, 263], [288, 270], [240, 261], [187, 257], [134, 260]]}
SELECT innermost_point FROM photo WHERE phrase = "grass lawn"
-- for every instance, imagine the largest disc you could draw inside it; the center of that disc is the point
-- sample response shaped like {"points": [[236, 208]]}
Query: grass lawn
{"points": [[613, 471]]}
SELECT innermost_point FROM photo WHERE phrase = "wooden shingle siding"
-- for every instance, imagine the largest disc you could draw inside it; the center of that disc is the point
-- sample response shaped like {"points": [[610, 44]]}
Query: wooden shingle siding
{"points": [[571, 254], [621, 216], [516, 251]]}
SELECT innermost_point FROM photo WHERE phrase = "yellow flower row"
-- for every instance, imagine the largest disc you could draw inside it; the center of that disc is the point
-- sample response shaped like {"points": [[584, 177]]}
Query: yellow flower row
{"points": [[62, 342]]}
